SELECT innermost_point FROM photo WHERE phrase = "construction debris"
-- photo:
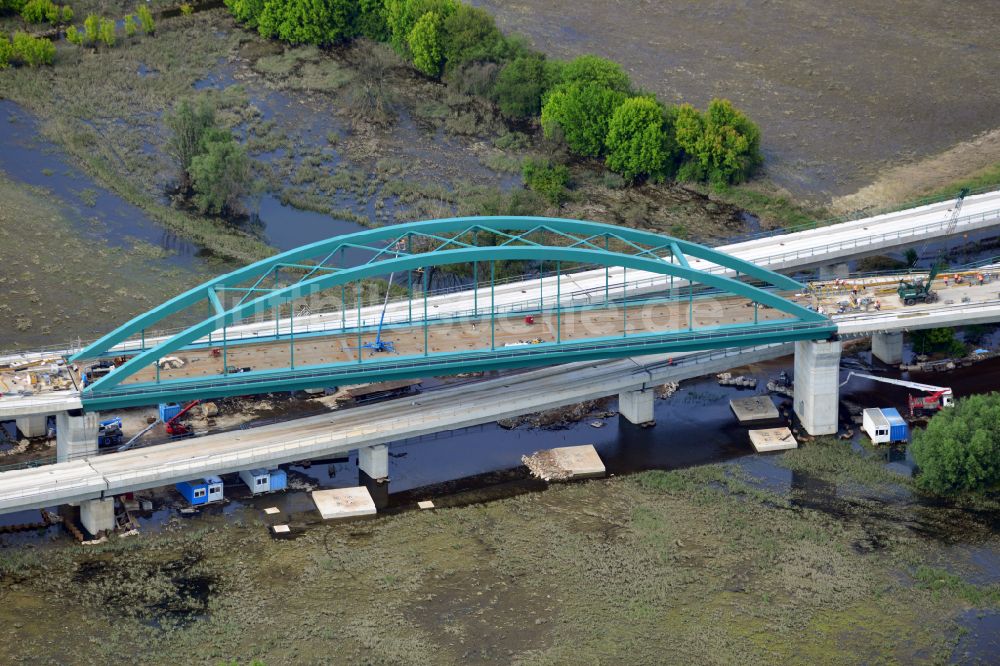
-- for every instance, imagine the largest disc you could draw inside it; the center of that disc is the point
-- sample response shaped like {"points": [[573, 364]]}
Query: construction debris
{"points": [[664, 391], [739, 381], [564, 463]]}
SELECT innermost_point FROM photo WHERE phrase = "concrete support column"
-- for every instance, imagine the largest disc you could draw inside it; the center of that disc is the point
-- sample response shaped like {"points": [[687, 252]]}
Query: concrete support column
{"points": [[817, 385], [76, 435], [834, 271], [373, 472], [888, 347], [32, 426], [636, 406], [98, 515]]}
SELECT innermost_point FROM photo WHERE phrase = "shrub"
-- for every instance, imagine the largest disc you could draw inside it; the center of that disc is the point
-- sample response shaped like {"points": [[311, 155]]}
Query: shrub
{"points": [[522, 83], [402, 15], [74, 36], [937, 340], [39, 11], [548, 180], [32, 51], [308, 22], [582, 111], [109, 32], [246, 11], [5, 52], [640, 140], [591, 69], [960, 449], [66, 14], [11, 6], [470, 34], [425, 44], [723, 145], [129, 25], [220, 174], [145, 19], [371, 20], [92, 28], [187, 9]]}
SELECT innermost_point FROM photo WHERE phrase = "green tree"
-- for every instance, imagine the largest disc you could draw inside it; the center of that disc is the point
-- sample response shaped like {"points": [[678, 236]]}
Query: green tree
{"points": [[402, 15], [109, 32], [591, 69], [308, 21], [6, 50], [92, 28], [11, 6], [960, 449], [581, 112], [425, 44], [547, 179], [641, 140], [145, 19], [74, 36], [66, 14], [471, 34], [371, 21], [246, 11], [189, 124], [32, 51], [129, 25], [723, 145], [522, 84], [220, 175], [937, 340]]}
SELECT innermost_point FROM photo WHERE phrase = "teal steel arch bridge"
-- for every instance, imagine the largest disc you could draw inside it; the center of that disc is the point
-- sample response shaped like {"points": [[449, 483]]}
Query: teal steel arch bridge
{"points": [[339, 268]]}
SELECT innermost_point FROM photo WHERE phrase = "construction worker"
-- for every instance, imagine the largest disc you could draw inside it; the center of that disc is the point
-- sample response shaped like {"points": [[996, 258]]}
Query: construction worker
{"points": [[980, 278], [878, 304]]}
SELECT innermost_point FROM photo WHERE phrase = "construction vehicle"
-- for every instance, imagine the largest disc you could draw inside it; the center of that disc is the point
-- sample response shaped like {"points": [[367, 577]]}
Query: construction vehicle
{"points": [[939, 398], [380, 345], [175, 427], [918, 290], [109, 432], [96, 371]]}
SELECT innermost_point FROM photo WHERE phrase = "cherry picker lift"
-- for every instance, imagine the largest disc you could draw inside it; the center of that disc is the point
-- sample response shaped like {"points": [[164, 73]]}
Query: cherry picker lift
{"points": [[939, 398]]}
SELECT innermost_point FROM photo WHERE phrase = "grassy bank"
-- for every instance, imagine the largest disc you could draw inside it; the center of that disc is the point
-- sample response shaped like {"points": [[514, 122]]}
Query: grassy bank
{"points": [[703, 565]]}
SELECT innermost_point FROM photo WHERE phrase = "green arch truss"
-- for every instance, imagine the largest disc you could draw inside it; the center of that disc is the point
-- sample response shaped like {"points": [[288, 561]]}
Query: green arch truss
{"points": [[255, 289]]}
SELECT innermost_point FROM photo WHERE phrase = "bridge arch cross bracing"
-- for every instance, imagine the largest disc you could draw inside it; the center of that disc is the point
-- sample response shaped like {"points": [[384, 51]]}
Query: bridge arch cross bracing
{"points": [[255, 289]]}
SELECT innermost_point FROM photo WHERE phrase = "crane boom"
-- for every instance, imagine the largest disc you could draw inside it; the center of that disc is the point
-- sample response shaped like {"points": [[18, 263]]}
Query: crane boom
{"points": [[898, 382]]}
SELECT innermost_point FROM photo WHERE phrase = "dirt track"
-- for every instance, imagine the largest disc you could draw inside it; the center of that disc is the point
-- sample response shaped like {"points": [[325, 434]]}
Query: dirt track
{"points": [[840, 90]]}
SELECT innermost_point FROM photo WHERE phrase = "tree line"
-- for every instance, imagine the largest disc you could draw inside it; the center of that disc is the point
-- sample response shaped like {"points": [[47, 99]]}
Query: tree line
{"points": [[589, 102]]}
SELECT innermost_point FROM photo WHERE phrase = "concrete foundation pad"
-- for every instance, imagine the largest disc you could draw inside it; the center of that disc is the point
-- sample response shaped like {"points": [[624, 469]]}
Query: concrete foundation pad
{"points": [[565, 463], [772, 439], [344, 502], [281, 529], [425, 504], [757, 408], [271, 510]]}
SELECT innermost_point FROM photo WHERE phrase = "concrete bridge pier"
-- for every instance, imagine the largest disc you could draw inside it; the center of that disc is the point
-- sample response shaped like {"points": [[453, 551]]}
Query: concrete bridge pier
{"points": [[834, 271], [33, 425], [817, 385], [636, 406], [373, 472], [98, 515], [888, 347], [76, 435]]}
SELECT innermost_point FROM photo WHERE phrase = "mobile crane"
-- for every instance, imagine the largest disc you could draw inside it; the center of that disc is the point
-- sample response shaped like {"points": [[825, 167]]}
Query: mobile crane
{"points": [[175, 428], [939, 398]]}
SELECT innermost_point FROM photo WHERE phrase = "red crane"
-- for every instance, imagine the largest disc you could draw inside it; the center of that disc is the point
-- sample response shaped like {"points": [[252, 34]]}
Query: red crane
{"points": [[174, 426]]}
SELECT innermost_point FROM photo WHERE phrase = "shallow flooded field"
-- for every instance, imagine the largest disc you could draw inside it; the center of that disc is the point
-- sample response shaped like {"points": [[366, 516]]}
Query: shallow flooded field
{"points": [[840, 90]]}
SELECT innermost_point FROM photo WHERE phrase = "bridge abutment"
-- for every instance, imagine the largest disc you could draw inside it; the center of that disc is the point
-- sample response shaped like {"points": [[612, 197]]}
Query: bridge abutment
{"points": [[76, 435], [636, 406], [888, 347], [98, 515], [373, 472], [817, 385], [33, 425], [834, 271]]}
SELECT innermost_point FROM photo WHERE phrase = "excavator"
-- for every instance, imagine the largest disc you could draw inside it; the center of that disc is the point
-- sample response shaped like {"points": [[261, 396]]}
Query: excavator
{"points": [[939, 398]]}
